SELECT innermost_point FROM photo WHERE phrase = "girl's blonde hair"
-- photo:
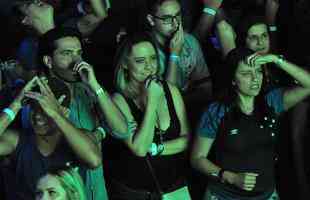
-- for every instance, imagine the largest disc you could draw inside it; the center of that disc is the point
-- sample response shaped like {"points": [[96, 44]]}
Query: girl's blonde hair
{"points": [[71, 181], [121, 58]]}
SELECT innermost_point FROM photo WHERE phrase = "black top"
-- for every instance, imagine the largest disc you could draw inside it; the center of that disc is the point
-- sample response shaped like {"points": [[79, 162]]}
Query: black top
{"points": [[31, 164], [134, 172], [246, 144]]}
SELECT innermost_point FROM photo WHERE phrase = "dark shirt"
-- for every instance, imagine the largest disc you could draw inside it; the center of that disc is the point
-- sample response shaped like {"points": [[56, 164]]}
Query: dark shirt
{"points": [[169, 170], [30, 164], [244, 144]]}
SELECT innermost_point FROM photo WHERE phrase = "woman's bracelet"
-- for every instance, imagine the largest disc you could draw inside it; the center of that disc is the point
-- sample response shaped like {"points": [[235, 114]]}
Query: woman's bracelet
{"points": [[155, 149], [10, 113], [174, 57], [273, 28], [99, 91], [280, 59], [209, 11]]}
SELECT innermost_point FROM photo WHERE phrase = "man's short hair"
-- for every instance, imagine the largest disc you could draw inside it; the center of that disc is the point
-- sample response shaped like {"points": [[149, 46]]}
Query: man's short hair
{"points": [[152, 5], [47, 41]]}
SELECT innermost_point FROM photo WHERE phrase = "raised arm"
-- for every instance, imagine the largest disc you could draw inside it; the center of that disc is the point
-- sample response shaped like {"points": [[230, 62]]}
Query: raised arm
{"points": [[207, 18], [8, 137], [293, 95], [114, 118], [140, 141], [226, 36], [271, 11], [8, 114], [175, 47], [83, 144]]}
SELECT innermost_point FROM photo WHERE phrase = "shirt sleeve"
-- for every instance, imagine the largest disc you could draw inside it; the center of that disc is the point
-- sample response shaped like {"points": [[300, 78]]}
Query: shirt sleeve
{"points": [[274, 99], [201, 69], [210, 121]]}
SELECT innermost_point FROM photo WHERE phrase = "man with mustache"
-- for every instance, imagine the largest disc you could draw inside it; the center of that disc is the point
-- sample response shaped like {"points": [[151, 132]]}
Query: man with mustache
{"points": [[181, 59]]}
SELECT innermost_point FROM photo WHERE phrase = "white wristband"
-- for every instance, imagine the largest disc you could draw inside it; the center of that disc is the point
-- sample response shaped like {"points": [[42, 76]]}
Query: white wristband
{"points": [[174, 58], [209, 11], [273, 28], [102, 132], [280, 59], [153, 149], [99, 91], [10, 113]]}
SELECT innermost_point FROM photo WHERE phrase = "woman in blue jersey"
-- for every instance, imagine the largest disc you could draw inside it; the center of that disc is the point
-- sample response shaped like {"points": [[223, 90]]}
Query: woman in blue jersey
{"points": [[242, 127]]}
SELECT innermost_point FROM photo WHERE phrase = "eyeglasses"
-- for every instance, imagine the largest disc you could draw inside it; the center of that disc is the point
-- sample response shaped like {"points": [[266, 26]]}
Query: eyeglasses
{"points": [[169, 19]]}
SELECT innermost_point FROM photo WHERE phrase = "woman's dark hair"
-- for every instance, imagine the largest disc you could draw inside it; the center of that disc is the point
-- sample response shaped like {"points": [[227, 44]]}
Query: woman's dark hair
{"points": [[234, 57], [228, 97], [245, 25]]}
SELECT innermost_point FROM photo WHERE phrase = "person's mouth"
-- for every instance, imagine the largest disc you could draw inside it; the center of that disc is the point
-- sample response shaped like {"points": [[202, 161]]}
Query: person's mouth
{"points": [[254, 87]]}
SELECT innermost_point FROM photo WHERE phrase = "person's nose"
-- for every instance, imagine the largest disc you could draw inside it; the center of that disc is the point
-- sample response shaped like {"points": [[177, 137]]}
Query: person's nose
{"points": [[254, 76], [148, 65], [44, 196], [260, 40]]}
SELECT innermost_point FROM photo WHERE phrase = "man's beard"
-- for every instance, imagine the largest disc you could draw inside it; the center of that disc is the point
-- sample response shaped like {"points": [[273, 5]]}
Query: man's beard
{"points": [[62, 75]]}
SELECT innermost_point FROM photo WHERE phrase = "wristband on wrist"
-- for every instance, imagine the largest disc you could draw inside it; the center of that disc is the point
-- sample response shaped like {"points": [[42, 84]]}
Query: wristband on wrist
{"points": [[153, 149], [280, 59], [99, 91], [209, 11], [102, 132], [273, 28], [10, 113], [174, 58], [160, 148]]}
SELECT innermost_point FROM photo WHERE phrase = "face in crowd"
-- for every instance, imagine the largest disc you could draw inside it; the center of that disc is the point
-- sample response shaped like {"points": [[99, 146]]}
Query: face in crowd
{"points": [[35, 11], [257, 38], [68, 51], [50, 188], [248, 79], [167, 18], [142, 61]]}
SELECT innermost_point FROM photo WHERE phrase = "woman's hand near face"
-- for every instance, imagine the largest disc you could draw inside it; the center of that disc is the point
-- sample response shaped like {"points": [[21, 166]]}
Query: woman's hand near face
{"points": [[259, 59], [154, 89]]}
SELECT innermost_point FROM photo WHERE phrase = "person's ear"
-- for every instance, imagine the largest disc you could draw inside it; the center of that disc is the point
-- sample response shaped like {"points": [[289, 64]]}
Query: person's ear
{"points": [[150, 20], [233, 83], [47, 60]]}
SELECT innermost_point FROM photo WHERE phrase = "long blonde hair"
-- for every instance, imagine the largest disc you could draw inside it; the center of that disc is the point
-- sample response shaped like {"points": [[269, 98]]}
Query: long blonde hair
{"points": [[71, 181], [121, 58]]}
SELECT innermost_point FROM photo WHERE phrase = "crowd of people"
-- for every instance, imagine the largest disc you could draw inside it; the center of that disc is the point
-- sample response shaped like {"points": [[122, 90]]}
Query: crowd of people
{"points": [[154, 100]]}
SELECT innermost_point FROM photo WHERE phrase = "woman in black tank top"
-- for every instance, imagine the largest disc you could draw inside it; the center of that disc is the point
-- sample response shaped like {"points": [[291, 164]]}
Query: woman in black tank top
{"points": [[151, 162]]}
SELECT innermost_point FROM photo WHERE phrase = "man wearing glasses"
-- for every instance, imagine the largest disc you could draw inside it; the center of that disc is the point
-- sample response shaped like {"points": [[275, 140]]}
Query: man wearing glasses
{"points": [[181, 59]]}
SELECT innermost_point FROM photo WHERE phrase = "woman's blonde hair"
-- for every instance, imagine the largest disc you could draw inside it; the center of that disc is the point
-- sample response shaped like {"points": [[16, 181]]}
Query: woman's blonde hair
{"points": [[71, 181], [122, 54]]}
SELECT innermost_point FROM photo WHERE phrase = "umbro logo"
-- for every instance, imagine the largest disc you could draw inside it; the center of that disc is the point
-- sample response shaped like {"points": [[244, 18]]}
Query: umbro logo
{"points": [[233, 132]]}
